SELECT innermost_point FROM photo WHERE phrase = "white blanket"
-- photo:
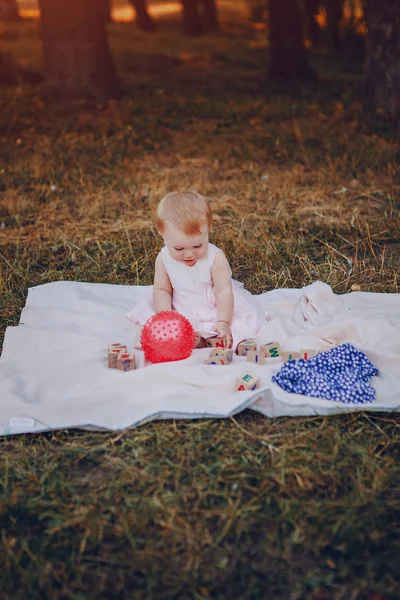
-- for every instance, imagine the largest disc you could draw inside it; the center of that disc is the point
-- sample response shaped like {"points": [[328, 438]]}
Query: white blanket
{"points": [[54, 375]]}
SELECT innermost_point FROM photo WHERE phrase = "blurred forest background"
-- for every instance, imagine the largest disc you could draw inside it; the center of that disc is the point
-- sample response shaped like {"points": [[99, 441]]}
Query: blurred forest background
{"points": [[78, 59]]}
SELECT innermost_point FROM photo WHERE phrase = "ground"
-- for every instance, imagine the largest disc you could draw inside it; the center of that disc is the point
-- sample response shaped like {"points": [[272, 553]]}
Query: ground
{"points": [[303, 188]]}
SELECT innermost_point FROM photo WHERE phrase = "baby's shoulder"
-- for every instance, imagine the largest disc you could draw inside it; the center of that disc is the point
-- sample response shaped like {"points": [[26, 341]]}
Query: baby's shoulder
{"points": [[163, 254], [160, 258], [219, 258], [212, 252], [220, 262]]}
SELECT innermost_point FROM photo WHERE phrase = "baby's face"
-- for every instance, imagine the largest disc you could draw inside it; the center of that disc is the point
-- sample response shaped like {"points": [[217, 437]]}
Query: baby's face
{"points": [[187, 249]]}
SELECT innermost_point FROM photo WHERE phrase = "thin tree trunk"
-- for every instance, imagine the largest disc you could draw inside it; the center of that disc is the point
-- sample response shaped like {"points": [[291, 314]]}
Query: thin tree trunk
{"points": [[256, 10], [210, 14], [143, 18], [310, 8], [105, 9], [191, 17], [287, 55], [352, 6], [334, 13], [9, 10], [382, 81], [77, 58]]}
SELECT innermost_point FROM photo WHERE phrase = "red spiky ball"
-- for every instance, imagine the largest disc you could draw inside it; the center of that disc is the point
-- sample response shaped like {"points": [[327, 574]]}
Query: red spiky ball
{"points": [[167, 336]]}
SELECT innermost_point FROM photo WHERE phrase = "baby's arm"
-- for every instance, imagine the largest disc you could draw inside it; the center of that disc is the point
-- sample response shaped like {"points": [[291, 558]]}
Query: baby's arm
{"points": [[222, 280], [162, 288]]}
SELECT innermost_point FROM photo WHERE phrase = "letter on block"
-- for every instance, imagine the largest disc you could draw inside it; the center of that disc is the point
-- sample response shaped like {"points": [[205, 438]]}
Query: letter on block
{"points": [[271, 350], [256, 356], [246, 346], [225, 353], [126, 362], [306, 354], [290, 355], [215, 360], [120, 347], [215, 342], [112, 357], [246, 381]]}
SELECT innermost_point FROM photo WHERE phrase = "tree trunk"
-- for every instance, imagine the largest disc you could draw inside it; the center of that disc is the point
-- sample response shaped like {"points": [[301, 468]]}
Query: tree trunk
{"points": [[143, 19], [191, 17], [210, 14], [9, 10], [310, 8], [7, 73], [287, 55], [257, 10], [105, 10], [382, 81], [77, 58], [334, 13], [352, 7]]}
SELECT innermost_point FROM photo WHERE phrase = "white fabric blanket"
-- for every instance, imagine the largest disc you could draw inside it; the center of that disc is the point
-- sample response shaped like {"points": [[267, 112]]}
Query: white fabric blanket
{"points": [[54, 375]]}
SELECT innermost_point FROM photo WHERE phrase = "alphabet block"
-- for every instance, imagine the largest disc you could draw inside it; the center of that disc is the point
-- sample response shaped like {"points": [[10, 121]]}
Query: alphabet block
{"points": [[246, 346], [216, 342], [271, 350], [290, 355], [126, 362], [256, 356], [112, 357], [306, 354], [225, 353], [247, 381]]}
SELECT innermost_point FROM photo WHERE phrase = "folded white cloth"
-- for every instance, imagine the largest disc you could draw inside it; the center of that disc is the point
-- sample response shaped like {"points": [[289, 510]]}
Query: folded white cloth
{"points": [[317, 305]]}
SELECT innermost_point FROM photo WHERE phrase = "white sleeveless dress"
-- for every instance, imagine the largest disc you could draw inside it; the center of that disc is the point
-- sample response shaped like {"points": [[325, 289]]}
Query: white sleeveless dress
{"points": [[193, 296]]}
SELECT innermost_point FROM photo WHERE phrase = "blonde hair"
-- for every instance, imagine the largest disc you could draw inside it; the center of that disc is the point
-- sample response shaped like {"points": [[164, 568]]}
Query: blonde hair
{"points": [[187, 211]]}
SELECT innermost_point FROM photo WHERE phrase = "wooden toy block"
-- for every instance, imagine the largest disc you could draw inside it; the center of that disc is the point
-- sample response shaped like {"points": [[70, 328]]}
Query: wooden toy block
{"points": [[271, 350], [126, 361], [120, 347], [225, 353], [256, 356], [215, 360], [246, 346], [246, 381], [112, 357], [306, 354], [290, 355], [216, 342]]}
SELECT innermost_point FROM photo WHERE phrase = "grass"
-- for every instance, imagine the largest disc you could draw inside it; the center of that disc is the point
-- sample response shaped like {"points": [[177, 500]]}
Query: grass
{"points": [[303, 188]]}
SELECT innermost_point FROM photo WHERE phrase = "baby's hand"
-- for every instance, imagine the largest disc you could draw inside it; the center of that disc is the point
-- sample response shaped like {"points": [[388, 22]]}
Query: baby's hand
{"points": [[224, 331]]}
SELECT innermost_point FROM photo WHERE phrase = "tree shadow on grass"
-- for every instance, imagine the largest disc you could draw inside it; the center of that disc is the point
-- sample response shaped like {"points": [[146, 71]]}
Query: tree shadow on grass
{"points": [[148, 64]]}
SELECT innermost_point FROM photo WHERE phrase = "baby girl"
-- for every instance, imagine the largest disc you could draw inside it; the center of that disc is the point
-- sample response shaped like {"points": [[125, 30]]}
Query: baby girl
{"points": [[193, 277]]}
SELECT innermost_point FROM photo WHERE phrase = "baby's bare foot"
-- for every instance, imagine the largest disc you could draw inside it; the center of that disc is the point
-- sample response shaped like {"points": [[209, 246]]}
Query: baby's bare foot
{"points": [[199, 342], [137, 344]]}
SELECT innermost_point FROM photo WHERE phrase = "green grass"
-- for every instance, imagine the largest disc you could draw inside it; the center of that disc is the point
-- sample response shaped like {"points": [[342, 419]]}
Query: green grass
{"points": [[301, 184]]}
